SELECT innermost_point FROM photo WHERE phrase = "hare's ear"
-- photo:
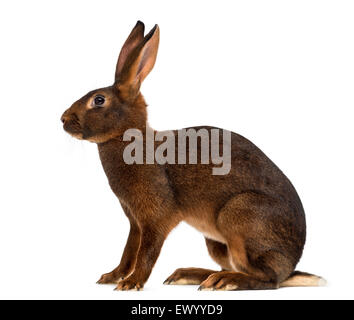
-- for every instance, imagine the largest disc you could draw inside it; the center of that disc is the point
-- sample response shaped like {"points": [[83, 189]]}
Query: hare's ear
{"points": [[134, 39], [139, 63]]}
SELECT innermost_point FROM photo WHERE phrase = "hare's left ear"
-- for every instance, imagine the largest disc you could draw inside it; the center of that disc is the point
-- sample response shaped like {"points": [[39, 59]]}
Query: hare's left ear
{"points": [[139, 63], [134, 39]]}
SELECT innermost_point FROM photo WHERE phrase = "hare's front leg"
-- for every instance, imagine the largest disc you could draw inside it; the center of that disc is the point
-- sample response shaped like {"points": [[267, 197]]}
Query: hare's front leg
{"points": [[153, 236], [128, 260]]}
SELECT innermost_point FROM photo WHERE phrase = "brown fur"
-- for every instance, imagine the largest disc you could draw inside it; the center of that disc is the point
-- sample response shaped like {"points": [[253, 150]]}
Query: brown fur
{"points": [[252, 217]]}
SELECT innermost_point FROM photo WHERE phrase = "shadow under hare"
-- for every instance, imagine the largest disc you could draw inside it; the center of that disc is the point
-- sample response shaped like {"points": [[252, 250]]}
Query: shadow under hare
{"points": [[251, 216]]}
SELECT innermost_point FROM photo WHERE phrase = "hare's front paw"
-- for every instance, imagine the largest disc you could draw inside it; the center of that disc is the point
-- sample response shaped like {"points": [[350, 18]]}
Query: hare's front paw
{"points": [[130, 284], [110, 278]]}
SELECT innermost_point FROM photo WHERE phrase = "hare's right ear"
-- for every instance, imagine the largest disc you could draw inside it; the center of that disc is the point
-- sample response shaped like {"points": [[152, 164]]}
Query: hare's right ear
{"points": [[134, 39], [138, 64]]}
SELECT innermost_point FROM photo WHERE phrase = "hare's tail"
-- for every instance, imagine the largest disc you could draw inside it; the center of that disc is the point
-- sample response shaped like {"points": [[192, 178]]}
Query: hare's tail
{"points": [[303, 279]]}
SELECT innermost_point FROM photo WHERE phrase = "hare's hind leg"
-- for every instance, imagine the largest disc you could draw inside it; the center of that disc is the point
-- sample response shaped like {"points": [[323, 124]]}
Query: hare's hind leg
{"points": [[265, 272], [261, 257], [188, 276], [227, 281], [218, 252]]}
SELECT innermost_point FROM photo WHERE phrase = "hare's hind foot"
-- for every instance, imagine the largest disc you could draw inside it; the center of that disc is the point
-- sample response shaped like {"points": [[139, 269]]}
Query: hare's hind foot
{"points": [[188, 276], [230, 281]]}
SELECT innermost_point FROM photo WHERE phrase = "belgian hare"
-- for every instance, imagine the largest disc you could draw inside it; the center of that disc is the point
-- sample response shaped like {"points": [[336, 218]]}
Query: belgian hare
{"points": [[251, 217]]}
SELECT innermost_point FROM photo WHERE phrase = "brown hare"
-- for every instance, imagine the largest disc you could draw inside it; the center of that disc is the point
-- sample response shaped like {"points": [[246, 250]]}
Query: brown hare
{"points": [[252, 218]]}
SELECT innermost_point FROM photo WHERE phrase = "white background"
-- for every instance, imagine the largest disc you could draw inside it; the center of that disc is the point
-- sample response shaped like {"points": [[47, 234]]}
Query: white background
{"points": [[280, 73]]}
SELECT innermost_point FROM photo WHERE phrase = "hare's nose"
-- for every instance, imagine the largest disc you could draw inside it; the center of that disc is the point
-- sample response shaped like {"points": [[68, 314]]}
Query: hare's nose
{"points": [[63, 118]]}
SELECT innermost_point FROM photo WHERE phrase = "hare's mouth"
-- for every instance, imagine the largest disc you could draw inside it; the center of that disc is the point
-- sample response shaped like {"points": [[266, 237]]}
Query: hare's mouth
{"points": [[73, 127]]}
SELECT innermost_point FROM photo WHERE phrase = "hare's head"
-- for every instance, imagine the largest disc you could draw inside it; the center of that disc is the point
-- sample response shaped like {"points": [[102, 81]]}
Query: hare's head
{"points": [[106, 113]]}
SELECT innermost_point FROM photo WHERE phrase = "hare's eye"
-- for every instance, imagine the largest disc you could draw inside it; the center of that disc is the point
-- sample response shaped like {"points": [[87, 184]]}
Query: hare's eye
{"points": [[99, 100]]}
